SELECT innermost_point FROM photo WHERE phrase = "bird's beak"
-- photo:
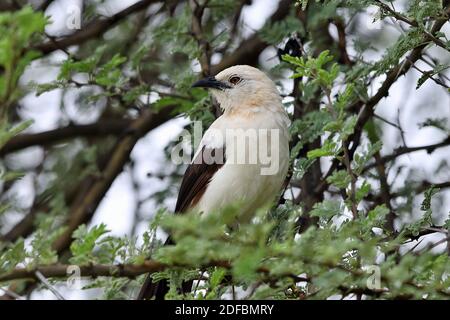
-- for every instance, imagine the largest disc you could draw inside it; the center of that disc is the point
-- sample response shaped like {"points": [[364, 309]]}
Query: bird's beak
{"points": [[211, 82]]}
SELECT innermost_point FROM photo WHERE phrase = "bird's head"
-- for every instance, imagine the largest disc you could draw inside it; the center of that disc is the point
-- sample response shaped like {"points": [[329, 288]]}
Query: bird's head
{"points": [[242, 88]]}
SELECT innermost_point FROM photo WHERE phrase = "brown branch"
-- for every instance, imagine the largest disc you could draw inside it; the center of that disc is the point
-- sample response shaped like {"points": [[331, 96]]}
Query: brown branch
{"points": [[92, 30], [367, 111], [420, 188], [6, 6], [342, 43], [249, 50], [398, 71], [88, 198], [353, 178], [424, 232], [412, 23], [405, 150], [84, 209], [385, 192], [424, 185], [103, 127], [429, 75], [197, 32], [402, 68], [100, 270], [25, 227], [345, 291], [117, 270], [234, 26], [204, 45], [151, 266]]}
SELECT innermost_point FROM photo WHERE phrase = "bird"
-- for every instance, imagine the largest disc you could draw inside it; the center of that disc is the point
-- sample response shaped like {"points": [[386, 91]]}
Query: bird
{"points": [[243, 157]]}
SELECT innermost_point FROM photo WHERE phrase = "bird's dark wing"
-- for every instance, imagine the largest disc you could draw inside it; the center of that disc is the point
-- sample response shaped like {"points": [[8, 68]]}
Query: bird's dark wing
{"points": [[198, 175], [195, 180]]}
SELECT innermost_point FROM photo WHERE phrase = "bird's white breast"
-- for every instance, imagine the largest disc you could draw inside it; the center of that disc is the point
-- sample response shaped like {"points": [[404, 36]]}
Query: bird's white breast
{"points": [[250, 184]]}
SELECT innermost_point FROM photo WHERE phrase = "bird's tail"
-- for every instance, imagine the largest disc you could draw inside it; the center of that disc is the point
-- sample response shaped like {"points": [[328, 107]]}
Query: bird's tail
{"points": [[152, 289], [158, 290]]}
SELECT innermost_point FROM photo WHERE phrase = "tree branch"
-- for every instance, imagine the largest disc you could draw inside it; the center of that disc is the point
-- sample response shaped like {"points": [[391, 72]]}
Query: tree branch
{"points": [[404, 150], [385, 191], [100, 270], [412, 23], [6, 6], [197, 32], [103, 127], [48, 285], [424, 185], [84, 209], [367, 111], [249, 50], [342, 42], [117, 270], [94, 29]]}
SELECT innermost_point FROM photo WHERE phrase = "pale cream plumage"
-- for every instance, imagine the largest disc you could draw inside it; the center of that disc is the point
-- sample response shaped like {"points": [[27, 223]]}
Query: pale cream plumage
{"points": [[252, 104]]}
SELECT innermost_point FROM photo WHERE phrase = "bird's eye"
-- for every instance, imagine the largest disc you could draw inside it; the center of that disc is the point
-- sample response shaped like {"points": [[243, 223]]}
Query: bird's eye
{"points": [[235, 80]]}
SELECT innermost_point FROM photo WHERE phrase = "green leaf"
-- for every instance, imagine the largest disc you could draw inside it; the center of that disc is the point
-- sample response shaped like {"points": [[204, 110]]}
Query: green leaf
{"points": [[7, 133], [13, 255], [217, 277], [340, 179], [377, 215], [245, 266], [274, 33], [426, 203], [302, 3], [362, 191], [326, 209], [430, 74], [85, 241], [328, 149]]}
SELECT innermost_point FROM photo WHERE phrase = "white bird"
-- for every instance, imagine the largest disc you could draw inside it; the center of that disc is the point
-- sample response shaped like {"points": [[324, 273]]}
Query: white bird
{"points": [[243, 157]]}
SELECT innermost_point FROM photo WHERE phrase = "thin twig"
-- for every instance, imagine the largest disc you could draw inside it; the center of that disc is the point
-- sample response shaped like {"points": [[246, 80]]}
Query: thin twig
{"points": [[412, 23], [11, 294], [405, 150], [427, 248], [47, 284]]}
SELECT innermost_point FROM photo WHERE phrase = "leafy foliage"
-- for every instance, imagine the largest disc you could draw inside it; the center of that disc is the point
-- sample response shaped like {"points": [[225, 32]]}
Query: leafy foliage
{"points": [[17, 29]]}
